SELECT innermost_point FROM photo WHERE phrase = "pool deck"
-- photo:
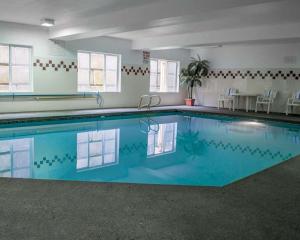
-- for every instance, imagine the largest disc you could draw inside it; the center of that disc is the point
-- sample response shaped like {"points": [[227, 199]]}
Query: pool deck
{"points": [[265, 206], [33, 116]]}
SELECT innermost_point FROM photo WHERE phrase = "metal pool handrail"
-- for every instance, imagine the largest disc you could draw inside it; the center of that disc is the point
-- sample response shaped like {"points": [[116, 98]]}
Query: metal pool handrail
{"points": [[149, 104], [37, 97]]}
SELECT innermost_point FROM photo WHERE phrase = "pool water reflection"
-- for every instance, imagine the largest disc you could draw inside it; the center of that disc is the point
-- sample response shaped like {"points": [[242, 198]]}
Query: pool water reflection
{"points": [[181, 149]]}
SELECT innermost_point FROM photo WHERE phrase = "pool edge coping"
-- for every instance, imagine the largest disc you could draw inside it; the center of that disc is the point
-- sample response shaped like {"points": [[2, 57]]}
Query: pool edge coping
{"points": [[181, 109]]}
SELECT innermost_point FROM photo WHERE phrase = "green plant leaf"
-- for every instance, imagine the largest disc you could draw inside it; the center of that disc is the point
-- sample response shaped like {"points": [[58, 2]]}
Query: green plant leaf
{"points": [[193, 74]]}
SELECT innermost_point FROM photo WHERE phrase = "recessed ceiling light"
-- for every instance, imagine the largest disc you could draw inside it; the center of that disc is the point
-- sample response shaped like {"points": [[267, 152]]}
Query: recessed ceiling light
{"points": [[47, 22]]}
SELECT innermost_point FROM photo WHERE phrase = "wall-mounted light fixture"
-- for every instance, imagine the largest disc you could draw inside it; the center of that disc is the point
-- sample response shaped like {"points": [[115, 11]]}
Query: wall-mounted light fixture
{"points": [[47, 22]]}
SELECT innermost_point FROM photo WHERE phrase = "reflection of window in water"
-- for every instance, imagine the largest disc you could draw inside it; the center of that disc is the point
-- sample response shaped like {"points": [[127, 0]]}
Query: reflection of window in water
{"points": [[293, 135], [16, 157], [97, 149], [162, 141]]}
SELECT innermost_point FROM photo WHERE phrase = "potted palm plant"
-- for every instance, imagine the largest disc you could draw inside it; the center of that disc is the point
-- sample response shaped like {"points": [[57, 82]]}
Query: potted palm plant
{"points": [[192, 77]]}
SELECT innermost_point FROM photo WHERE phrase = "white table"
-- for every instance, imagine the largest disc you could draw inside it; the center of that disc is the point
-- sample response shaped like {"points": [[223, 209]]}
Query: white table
{"points": [[247, 96]]}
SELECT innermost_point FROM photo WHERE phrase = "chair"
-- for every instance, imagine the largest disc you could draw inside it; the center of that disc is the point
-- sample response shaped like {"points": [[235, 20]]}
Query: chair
{"points": [[292, 102], [266, 99], [228, 96]]}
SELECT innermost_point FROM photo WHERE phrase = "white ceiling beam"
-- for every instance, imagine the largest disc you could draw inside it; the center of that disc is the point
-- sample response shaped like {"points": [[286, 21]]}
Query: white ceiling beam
{"points": [[222, 37], [162, 13], [240, 17]]}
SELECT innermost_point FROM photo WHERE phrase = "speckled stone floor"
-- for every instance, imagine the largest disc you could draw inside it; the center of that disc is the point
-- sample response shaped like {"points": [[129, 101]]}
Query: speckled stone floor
{"points": [[263, 206]]}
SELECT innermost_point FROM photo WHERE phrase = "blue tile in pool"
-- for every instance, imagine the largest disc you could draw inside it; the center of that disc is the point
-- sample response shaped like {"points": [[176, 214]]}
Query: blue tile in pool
{"points": [[176, 149]]}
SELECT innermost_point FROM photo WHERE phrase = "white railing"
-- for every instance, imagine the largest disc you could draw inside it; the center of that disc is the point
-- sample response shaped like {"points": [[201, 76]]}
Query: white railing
{"points": [[147, 101], [49, 97]]}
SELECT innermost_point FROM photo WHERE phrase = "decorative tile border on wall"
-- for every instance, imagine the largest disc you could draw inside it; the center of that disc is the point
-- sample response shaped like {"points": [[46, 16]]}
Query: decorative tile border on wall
{"points": [[275, 74], [135, 70], [68, 65], [55, 65]]}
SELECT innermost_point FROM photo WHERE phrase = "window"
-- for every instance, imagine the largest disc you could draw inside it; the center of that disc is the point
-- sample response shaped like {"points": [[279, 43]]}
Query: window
{"points": [[164, 75], [15, 68], [16, 157], [97, 149], [98, 72], [163, 140]]}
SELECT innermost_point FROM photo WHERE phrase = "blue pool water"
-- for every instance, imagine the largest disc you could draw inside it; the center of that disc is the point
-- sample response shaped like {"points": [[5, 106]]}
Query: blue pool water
{"points": [[173, 148]]}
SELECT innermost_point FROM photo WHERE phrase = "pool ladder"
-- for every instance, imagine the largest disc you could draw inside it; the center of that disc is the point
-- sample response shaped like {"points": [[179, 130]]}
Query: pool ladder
{"points": [[146, 101]]}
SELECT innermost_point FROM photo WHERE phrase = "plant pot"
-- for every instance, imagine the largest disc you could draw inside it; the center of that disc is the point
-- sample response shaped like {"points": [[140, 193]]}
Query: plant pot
{"points": [[189, 102]]}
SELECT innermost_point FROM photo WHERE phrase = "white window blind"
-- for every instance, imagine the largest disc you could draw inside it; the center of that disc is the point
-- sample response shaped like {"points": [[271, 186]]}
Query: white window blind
{"points": [[98, 72], [15, 68], [164, 75]]}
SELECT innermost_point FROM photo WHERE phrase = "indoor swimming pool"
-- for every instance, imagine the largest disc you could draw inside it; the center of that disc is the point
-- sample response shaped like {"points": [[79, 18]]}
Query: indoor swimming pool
{"points": [[177, 148]]}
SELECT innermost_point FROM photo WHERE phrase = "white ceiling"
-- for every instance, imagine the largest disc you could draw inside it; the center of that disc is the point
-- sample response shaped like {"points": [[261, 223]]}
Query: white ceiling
{"points": [[63, 11], [162, 23]]}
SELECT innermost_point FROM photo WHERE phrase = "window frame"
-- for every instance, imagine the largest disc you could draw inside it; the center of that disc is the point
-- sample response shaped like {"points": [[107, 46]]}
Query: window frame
{"points": [[10, 65], [158, 73], [119, 56]]}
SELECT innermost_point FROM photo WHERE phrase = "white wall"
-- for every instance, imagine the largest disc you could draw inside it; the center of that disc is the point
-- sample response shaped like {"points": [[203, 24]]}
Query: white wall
{"points": [[50, 81], [278, 59], [251, 56], [108, 45], [37, 37], [284, 57]]}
